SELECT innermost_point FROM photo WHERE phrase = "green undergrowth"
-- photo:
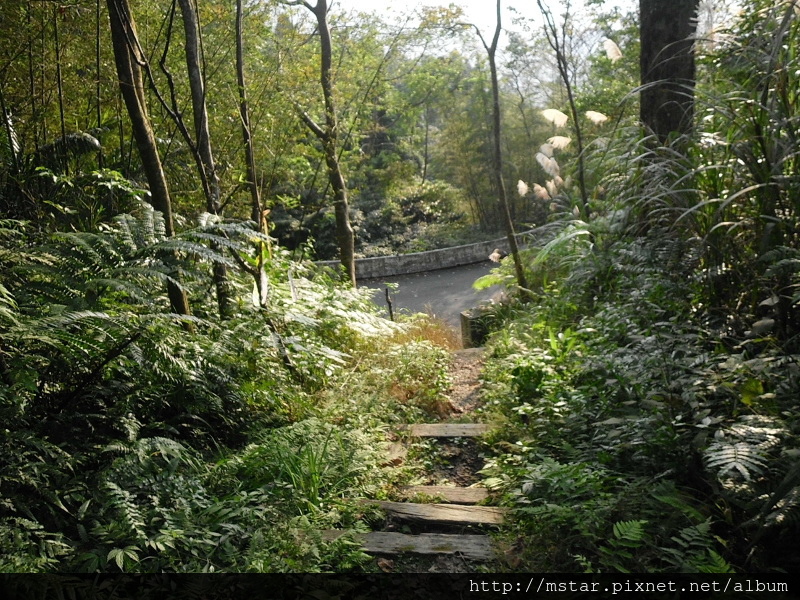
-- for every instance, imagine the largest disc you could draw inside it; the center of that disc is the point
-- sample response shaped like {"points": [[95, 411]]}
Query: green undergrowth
{"points": [[137, 440], [646, 393], [638, 433]]}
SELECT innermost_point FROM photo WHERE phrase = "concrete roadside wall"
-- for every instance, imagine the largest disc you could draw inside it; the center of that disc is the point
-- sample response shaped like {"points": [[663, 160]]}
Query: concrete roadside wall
{"points": [[445, 258]]}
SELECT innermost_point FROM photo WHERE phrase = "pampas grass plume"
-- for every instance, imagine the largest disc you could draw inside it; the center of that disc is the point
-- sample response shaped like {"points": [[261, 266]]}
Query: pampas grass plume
{"points": [[540, 192], [559, 142], [522, 188], [556, 117], [548, 164], [612, 51], [596, 117]]}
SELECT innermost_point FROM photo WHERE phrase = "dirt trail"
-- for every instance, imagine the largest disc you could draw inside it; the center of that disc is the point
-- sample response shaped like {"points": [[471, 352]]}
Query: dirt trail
{"points": [[466, 370], [442, 518]]}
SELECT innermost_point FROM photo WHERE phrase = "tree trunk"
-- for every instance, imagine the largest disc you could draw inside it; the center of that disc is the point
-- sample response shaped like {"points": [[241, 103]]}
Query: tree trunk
{"points": [[97, 85], [667, 66], [128, 57], [259, 215], [207, 168], [497, 157], [32, 78], [558, 42], [344, 232], [60, 87], [329, 138]]}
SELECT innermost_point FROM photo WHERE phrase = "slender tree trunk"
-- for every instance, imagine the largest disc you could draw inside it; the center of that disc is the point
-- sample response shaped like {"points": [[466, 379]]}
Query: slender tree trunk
{"points": [[344, 232], [328, 135], [208, 171], [32, 79], [128, 59], [43, 63], [258, 214], [12, 145], [125, 164], [497, 157], [194, 70], [426, 155], [60, 86], [558, 44], [667, 65], [97, 89]]}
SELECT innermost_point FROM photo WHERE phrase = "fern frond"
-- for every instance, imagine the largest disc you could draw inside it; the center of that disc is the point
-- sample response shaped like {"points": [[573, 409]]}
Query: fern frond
{"points": [[786, 510], [8, 306], [715, 564], [731, 458], [742, 451], [629, 531]]}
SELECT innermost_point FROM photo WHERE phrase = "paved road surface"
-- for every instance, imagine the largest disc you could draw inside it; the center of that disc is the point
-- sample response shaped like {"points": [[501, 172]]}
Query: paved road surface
{"points": [[444, 293]]}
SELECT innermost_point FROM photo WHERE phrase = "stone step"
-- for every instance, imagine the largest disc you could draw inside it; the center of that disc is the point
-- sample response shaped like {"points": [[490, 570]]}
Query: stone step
{"points": [[448, 429], [453, 495], [443, 513]]}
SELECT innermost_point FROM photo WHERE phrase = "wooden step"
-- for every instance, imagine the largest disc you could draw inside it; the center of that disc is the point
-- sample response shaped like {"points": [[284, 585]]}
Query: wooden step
{"points": [[453, 495], [473, 547], [448, 429], [443, 513]]}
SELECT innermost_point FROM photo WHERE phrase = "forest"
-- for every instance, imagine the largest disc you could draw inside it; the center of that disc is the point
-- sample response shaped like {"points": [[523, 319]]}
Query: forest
{"points": [[182, 388]]}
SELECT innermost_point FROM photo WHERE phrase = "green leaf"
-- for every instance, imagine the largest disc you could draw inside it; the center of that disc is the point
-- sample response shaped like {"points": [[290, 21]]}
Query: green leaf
{"points": [[118, 556], [751, 390], [489, 280], [632, 531]]}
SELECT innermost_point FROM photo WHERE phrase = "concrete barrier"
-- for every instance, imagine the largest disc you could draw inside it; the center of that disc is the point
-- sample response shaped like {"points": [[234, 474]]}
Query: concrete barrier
{"points": [[417, 262]]}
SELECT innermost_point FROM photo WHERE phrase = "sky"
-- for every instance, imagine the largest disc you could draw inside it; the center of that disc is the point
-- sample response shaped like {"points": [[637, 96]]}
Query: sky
{"points": [[480, 12]]}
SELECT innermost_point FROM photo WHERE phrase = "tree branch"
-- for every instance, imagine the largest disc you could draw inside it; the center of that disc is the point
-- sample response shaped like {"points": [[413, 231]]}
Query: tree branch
{"points": [[299, 3], [310, 123]]}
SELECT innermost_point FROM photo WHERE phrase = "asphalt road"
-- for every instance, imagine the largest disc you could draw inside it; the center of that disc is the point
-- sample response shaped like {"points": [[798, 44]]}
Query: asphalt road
{"points": [[444, 293]]}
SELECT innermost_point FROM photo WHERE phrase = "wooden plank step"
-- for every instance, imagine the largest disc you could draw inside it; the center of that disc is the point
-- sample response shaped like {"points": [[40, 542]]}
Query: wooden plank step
{"points": [[448, 429], [443, 513], [453, 495], [473, 547]]}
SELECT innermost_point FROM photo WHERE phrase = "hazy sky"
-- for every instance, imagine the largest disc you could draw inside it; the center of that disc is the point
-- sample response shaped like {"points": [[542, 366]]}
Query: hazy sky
{"points": [[481, 12]]}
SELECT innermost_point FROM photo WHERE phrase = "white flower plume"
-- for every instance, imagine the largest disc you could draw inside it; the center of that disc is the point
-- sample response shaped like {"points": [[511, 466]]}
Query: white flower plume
{"points": [[540, 192], [546, 149], [522, 188], [548, 164], [559, 142], [596, 117], [556, 117], [551, 188], [612, 50]]}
